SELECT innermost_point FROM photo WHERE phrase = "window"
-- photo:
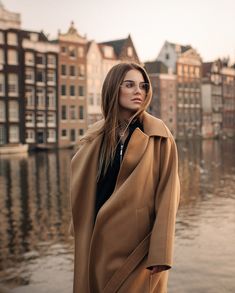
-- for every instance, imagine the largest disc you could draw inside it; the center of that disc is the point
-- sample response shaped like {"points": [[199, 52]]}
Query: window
{"points": [[72, 112], [13, 111], [40, 93], [51, 77], [40, 59], [80, 52], [2, 111], [51, 60], [40, 76], [91, 99], [64, 112], [72, 135], [63, 50], [81, 70], [72, 70], [29, 58], [64, 133], [81, 91], [29, 96], [72, 52], [29, 119], [2, 134], [2, 85], [130, 51], [63, 69], [14, 134], [51, 119], [72, 90], [63, 90], [12, 39], [197, 71], [180, 69], [41, 119], [2, 38], [51, 98], [167, 56], [108, 51], [81, 112], [29, 75], [2, 57], [81, 131], [185, 69], [51, 135], [30, 136], [12, 84]]}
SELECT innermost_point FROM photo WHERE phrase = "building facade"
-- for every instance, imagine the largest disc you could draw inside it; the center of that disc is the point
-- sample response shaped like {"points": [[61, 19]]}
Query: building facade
{"points": [[212, 99], [40, 90], [94, 61], [164, 100], [189, 101], [228, 94], [179, 77], [28, 85], [218, 99], [72, 87]]}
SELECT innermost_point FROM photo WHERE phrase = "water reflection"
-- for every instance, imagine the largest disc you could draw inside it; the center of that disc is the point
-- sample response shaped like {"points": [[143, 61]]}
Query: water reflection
{"points": [[36, 250], [34, 209]]}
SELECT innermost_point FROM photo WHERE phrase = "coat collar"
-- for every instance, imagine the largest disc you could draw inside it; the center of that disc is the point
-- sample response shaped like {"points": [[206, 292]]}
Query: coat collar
{"points": [[152, 125]]}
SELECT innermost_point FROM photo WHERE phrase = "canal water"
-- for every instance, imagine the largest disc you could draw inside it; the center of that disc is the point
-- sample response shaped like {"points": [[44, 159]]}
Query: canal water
{"points": [[36, 251]]}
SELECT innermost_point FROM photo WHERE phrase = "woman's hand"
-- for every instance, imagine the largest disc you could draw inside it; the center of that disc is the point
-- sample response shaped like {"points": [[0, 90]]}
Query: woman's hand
{"points": [[158, 269]]}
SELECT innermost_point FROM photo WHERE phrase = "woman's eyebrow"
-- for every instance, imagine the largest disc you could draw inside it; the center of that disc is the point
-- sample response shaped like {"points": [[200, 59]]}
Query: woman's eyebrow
{"points": [[132, 80]]}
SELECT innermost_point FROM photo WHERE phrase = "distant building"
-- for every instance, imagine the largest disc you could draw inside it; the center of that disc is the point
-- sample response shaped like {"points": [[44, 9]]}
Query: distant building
{"points": [[100, 59], [94, 61], [228, 92], [40, 88], [124, 49], [218, 99], [28, 85], [72, 87], [9, 19], [169, 54], [185, 63], [212, 104], [163, 104]]}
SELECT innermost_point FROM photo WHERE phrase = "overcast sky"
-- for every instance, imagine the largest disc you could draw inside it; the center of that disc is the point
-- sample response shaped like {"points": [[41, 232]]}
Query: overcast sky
{"points": [[207, 25]]}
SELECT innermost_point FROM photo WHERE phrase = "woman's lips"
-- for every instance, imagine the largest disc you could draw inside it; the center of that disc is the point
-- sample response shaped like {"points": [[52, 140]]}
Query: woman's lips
{"points": [[137, 100]]}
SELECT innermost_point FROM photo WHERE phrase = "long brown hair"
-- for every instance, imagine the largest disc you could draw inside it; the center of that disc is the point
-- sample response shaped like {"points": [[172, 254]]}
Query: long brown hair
{"points": [[110, 110]]}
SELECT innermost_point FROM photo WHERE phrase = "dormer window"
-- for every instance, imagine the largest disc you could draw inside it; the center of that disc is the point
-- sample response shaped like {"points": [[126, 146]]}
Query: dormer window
{"points": [[108, 52], [130, 51]]}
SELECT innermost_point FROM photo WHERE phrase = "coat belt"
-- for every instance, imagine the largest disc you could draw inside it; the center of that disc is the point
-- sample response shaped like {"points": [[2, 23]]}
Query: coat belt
{"points": [[129, 265]]}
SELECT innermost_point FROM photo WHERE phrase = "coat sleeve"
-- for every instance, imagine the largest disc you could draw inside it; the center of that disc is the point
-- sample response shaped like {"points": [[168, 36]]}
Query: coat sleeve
{"points": [[166, 205]]}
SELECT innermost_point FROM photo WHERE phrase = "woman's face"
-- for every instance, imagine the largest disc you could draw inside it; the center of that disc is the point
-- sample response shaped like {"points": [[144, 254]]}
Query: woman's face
{"points": [[132, 94]]}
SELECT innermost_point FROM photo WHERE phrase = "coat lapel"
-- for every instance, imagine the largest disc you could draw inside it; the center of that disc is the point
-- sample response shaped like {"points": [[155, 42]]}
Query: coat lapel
{"points": [[134, 152]]}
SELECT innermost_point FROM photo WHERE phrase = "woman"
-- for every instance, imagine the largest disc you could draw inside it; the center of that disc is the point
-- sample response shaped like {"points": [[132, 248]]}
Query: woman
{"points": [[124, 192]]}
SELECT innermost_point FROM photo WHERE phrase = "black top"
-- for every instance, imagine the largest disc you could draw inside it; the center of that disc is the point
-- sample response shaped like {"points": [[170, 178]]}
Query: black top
{"points": [[106, 183]]}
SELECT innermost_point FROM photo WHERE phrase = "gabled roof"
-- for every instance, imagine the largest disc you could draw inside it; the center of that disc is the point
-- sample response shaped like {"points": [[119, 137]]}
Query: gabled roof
{"points": [[181, 48], [101, 45], [116, 44], [156, 67]]}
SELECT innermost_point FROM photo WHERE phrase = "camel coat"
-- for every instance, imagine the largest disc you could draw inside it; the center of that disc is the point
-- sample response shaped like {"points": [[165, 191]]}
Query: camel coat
{"points": [[134, 229]]}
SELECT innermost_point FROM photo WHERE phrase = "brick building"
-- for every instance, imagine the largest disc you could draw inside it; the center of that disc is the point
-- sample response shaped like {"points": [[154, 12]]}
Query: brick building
{"points": [[72, 86], [28, 85]]}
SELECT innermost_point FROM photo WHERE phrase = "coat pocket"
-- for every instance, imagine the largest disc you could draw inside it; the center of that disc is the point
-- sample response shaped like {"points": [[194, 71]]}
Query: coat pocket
{"points": [[142, 222]]}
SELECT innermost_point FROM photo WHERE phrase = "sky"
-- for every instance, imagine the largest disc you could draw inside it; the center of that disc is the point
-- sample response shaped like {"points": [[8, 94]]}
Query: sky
{"points": [[206, 25]]}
